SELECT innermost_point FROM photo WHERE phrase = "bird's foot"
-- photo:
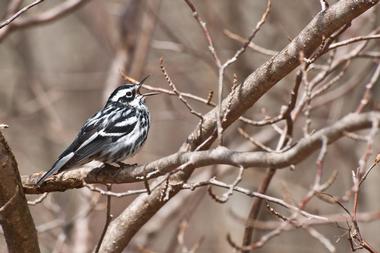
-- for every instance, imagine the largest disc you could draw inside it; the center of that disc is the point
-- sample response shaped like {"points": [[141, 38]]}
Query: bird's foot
{"points": [[126, 165], [119, 165]]}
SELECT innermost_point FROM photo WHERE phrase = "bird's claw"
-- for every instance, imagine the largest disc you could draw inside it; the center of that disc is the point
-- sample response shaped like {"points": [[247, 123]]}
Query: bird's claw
{"points": [[126, 165]]}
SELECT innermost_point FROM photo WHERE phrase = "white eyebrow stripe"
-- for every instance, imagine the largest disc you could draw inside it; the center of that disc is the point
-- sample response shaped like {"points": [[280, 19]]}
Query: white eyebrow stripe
{"points": [[119, 94]]}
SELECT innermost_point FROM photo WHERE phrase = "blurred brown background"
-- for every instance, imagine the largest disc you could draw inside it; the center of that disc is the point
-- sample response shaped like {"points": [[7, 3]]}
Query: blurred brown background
{"points": [[53, 77]]}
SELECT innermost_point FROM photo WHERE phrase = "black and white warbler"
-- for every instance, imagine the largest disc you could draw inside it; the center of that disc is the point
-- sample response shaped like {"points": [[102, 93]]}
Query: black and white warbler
{"points": [[113, 134]]}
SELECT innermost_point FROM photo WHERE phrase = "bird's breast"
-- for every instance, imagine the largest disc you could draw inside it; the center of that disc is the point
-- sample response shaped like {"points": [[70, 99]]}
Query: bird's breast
{"points": [[130, 143]]}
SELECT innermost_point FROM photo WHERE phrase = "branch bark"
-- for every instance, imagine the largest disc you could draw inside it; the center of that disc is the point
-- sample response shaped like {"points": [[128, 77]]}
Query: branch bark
{"points": [[123, 228], [78, 177], [15, 218], [265, 77], [325, 23]]}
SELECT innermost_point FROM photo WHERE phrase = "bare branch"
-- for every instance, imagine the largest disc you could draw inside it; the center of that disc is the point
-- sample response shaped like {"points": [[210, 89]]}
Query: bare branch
{"points": [[19, 13], [16, 220], [45, 17], [256, 85], [353, 40], [178, 168], [108, 219], [50, 15], [38, 200], [366, 96], [206, 32], [114, 194], [175, 90], [251, 45], [230, 191], [247, 192], [76, 178]]}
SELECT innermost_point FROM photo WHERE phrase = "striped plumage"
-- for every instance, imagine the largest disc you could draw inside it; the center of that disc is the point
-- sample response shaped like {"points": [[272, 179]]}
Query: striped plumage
{"points": [[113, 134]]}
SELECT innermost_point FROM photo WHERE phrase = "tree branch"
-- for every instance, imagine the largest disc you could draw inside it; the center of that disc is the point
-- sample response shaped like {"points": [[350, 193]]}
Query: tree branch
{"points": [[325, 23], [19, 13], [77, 178], [256, 85], [62, 9], [15, 218]]}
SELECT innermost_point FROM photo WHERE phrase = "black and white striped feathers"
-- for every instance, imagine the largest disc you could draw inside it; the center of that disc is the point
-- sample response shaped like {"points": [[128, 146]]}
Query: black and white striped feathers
{"points": [[111, 135]]}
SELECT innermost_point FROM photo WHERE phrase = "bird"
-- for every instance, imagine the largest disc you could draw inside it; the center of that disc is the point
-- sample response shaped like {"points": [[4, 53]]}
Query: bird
{"points": [[111, 135]]}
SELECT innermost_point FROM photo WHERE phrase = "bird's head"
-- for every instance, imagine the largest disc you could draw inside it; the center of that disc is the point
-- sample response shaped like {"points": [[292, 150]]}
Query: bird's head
{"points": [[129, 94]]}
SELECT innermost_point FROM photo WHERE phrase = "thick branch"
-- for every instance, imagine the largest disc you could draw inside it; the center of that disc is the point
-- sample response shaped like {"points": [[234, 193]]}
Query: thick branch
{"points": [[124, 227], [256, 85], [15, 218], [307, 145], [265, 77]]}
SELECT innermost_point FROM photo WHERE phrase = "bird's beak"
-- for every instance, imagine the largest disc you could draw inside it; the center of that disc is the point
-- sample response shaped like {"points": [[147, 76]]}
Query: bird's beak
{"points": [[141, 83], [151, 93]]}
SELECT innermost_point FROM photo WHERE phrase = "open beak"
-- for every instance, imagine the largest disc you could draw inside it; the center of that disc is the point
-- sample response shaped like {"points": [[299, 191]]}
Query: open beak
{"points": [[141, 83], [151, 93]]}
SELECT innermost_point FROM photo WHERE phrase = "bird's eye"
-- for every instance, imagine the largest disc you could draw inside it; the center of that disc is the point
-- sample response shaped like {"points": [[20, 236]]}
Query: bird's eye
{"points": [[128, 94]]}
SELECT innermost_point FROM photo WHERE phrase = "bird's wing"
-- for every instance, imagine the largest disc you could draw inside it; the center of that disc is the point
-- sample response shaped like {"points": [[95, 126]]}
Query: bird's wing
{"points": [[91, 127], [100, 130], [121, 123]]}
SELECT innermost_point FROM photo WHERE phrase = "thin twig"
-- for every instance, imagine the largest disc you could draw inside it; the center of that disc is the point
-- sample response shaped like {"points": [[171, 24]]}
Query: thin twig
{"points": [[56, 12], [177, 92], [115, 194], [9, 202], [207, 101], [230, 61], [366, 96], [38, 200], [19, 13], [251, 45], [258, 144], [353, 40], [230, 191], [108, 219], [206, 32], [249, 193], [376, 162]]}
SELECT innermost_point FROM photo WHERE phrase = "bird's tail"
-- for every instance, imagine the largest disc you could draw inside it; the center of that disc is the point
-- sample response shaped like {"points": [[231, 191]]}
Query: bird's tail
{"points": [[58, 165]]}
